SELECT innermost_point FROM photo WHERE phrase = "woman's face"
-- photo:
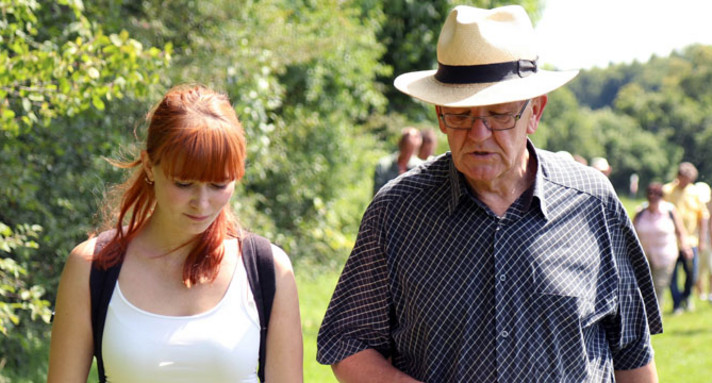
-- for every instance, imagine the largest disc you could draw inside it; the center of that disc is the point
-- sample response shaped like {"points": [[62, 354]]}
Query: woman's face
{"points": [[654, 195], [186, 205]]}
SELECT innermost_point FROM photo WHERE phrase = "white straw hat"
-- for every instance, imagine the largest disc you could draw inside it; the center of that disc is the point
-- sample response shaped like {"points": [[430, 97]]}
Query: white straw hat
{"points": [[485, 57]]}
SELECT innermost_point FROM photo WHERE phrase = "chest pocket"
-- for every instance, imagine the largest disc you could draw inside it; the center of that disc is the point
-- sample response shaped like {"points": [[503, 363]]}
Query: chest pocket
{"points": [[582, 275]]}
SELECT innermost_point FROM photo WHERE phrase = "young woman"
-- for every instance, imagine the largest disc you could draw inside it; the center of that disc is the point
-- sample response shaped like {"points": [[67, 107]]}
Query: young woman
{"points": [[182, 309]]}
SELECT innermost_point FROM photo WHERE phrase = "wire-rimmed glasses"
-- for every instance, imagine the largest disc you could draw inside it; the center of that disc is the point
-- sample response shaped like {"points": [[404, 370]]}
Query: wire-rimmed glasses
{"points": [[493, 122]]}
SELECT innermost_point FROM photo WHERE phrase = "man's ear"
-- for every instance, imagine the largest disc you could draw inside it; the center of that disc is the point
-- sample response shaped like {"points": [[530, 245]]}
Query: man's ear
{"points": [[147, 165], [538, 105], [438, 110]]}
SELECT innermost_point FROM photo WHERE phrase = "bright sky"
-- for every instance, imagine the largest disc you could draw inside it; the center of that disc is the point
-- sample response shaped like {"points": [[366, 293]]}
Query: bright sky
{"points": [[581, 34]]}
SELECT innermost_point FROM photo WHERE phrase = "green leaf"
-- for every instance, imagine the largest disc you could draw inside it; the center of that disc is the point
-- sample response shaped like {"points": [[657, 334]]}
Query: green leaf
{"points": [[8, 114], [26, 105], [93, 73], [98, 103]]}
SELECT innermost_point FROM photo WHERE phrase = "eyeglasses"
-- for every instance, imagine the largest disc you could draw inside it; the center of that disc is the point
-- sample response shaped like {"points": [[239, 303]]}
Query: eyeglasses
{"points": [[493, 122]]}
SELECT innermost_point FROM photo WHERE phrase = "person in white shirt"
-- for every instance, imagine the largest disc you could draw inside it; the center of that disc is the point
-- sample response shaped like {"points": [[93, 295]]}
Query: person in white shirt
{"points": [[182, 309]]}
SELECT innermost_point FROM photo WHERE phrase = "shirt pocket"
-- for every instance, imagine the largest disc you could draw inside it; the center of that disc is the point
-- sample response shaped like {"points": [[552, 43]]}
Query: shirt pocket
{"points": [[567, 310], [580, 278]]}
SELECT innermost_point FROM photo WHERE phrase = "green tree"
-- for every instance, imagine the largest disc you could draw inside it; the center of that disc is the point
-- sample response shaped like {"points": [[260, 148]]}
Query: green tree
{"points": [[598, 88], [56, 66], [567, 126], [668, 101], [630, 149]]}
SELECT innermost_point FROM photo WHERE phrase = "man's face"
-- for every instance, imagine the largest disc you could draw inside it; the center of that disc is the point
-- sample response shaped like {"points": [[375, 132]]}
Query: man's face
{"points": [[487, 157], [411, 145], [683, 180], [426, 149]]}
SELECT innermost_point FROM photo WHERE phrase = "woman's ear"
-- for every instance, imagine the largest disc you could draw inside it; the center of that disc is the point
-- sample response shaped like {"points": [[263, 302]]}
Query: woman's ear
{"points": [[147, 166]]}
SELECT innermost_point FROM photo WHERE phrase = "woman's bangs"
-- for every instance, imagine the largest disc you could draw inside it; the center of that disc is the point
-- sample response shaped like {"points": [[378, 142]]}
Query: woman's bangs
{"points": [[206, 155]]}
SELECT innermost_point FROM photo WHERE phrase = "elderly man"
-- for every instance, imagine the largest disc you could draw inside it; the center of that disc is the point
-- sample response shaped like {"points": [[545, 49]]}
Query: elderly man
{"points": [[497, 261]]}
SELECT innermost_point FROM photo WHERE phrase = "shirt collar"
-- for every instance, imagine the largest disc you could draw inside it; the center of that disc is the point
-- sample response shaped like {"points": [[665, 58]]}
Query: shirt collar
{"points": [[458, 185], [538, 187]]}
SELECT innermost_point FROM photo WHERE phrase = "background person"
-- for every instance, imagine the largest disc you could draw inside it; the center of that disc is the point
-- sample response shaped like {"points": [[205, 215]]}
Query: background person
{"points": [[704, 275], [660, 229], [512, 263], [430, 143], [683, 194], [601, 164], [182, 309], [580, 159], [633, 182], [395, 164]]}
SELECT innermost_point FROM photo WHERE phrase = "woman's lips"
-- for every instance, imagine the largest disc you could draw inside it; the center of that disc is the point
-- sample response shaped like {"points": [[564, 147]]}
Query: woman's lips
{"points": [[197, 218]]}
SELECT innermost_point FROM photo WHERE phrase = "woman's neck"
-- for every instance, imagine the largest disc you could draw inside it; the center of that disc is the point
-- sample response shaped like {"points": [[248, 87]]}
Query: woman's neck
{"points": [[159, 242], [654, 206]]}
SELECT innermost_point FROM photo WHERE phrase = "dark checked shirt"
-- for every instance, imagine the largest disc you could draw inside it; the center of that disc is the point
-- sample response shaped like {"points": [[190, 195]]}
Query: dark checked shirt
{"points": [[556, 290]]}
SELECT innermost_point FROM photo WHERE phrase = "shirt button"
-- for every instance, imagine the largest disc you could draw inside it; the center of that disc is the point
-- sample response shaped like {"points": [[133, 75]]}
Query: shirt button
{"points": [[504, 334], [502, 277]]}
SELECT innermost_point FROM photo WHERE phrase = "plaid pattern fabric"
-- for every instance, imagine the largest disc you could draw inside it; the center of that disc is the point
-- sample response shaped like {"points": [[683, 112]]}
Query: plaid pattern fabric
{"points": [[556, 290]]}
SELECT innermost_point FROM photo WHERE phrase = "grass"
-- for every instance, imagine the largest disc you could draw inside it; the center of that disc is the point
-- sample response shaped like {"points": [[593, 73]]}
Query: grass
{"points": [[314, 295], [682, 351]]}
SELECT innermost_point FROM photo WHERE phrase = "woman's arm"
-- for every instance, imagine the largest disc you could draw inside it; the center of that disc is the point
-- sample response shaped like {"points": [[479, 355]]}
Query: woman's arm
{"points": [[71, 346], [284, 336]]}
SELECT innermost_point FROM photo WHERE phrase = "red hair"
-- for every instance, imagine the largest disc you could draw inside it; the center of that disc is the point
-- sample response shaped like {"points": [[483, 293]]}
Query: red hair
{"points": [[195, 134]]}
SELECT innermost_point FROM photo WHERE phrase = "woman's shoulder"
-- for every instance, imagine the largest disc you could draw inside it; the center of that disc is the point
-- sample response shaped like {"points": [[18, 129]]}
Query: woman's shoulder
{"points": [[667, 206], [281, 259], [84, 251], [90, 247], [279, 256], [78, 267]]}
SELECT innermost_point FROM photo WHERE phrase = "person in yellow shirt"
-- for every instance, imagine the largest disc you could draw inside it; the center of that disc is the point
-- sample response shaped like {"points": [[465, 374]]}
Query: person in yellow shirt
{"points": [[682, 193], [704, 272]]}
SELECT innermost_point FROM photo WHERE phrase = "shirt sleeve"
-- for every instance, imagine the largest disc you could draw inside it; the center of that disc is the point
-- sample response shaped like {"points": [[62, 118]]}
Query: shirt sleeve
{"points": [[704, 212], [358, 316], [638, 313]]}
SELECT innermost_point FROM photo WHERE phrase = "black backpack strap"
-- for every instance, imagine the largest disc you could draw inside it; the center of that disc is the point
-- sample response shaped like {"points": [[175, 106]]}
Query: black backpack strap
{"points": [[637, 215], [102, 283], [259, 264]]}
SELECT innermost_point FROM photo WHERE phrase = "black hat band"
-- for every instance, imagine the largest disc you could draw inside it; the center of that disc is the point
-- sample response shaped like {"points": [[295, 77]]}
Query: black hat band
{"points": [[481, 74]]}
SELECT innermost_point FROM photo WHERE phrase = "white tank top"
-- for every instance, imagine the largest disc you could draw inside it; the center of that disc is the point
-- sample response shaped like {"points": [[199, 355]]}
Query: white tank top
{"points": [[220, 345], [656, 232]]}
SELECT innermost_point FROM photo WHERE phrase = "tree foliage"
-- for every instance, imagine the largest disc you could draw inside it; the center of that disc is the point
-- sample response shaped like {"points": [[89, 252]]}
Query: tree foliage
{"points": [[667, 101], [56, 66]]}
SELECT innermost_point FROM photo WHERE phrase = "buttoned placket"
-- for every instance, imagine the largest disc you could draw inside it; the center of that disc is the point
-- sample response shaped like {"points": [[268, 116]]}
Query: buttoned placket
{"points": [[503, 292]]}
